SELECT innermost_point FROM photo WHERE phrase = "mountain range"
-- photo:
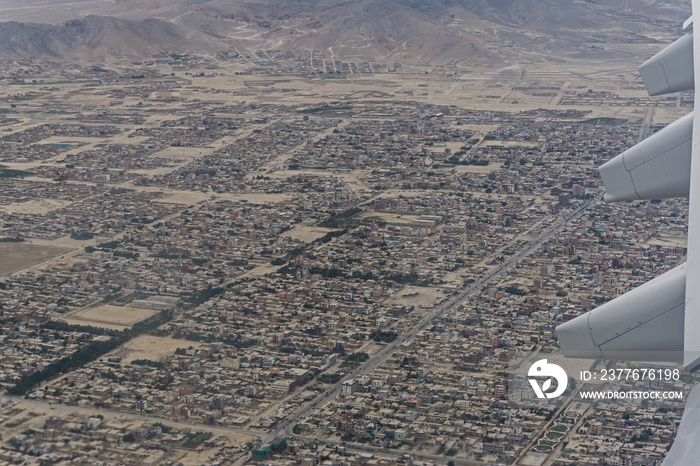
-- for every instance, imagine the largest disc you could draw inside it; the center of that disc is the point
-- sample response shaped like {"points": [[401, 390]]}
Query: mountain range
{"points": [[472, 32]]}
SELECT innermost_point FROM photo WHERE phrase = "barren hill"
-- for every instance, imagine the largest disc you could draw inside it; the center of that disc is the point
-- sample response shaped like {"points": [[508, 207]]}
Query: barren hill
{"points": [[97, 36]]}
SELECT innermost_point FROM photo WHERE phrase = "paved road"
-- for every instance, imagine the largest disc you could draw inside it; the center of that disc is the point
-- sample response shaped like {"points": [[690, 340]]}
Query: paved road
{"points": [[646, 123], [379, 358]]}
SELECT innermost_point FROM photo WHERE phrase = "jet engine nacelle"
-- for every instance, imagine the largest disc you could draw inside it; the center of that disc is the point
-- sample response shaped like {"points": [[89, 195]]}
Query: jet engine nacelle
{"points": [[670, 70], [645, 324]]}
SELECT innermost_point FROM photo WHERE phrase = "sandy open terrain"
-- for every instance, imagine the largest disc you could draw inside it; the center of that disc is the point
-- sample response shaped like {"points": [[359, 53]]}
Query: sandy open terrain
{"points": [[669, 241], [109, 316], [18, 256], [426, 296], [492, 167], [38, 206], [153, 348], [306, 233], [260, 271]]}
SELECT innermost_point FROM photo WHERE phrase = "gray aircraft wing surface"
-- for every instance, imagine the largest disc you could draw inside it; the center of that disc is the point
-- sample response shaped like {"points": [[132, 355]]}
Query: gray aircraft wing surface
{"points": [[686, 446]]}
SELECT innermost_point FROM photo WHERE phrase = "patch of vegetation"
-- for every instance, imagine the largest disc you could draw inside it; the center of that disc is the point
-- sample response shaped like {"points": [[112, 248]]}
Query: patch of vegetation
{"points": [[11, 173], [355, 359], [477, 162], [330, 378], [604, 121], [126, 254], [330, 235], [148, 362], [64, 327], [12, 239], [512, 289], [326, 109], [455, 160], [109, 245], [82, 235], [201, 296], [328, 273], [195, 440], [385, 337], [339, 220], [409, 361]]}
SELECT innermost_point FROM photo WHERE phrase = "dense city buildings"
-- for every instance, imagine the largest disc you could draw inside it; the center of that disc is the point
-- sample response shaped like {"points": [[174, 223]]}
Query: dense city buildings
{"points": [[286, 259]]}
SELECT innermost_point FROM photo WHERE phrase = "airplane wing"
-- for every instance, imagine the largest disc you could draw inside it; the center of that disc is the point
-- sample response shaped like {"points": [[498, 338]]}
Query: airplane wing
{"points": [[686, 446]]}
